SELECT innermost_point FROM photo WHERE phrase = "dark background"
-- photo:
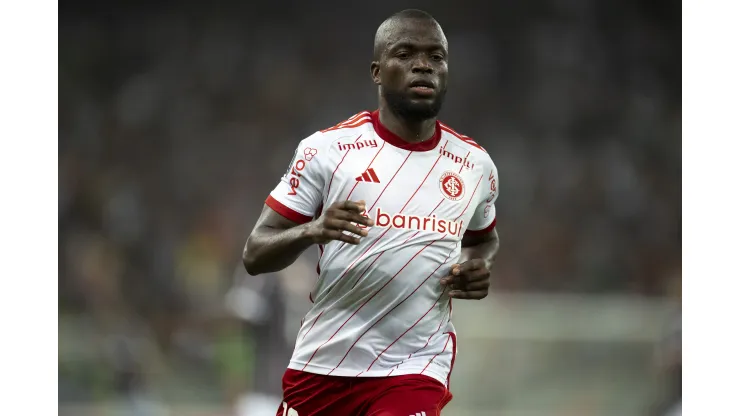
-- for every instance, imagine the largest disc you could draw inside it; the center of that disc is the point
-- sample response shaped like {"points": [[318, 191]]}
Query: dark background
{"points": [[176, 120]]}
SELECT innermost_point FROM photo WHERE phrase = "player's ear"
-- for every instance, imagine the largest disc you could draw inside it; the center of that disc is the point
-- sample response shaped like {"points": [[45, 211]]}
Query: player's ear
{"points": [[375, 72]]}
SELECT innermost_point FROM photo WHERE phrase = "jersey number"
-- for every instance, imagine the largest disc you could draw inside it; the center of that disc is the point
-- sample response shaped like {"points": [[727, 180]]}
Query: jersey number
{"points": [[288, 411]]}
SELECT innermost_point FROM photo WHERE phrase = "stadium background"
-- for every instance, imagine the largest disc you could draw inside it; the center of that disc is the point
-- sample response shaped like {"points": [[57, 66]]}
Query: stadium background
{"points": [[177, 120]]}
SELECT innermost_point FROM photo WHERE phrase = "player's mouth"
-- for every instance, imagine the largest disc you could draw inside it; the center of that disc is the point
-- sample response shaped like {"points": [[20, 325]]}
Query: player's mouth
{"points": [[422, 87]]}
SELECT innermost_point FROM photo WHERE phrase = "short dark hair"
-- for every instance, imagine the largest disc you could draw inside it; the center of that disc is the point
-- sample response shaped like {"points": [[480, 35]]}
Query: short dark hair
{"points": [[379, 44], [412, 14]]}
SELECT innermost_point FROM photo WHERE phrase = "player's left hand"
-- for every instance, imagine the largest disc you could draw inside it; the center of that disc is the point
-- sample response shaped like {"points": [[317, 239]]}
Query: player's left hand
{"points": [[469, 280]]}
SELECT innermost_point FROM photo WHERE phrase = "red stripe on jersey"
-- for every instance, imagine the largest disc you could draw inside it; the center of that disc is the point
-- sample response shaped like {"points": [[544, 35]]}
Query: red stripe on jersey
{"points": [[483, 231], [318, 269], [355, 117], [337, 168], [393, 177], [368, 249], [348, 121], [440, 203], [429, 215], [314, 323], [462, 165], [392, 309], [417, 189], [354, 124], [366, 269], [441, 321], [437, 354], [471, 198], [287, 212], [465, 139], [365, 303], [368, 167], [358, 123], [405, 332], [453, 337], [321, 247], [371, 297], [401, 210]]}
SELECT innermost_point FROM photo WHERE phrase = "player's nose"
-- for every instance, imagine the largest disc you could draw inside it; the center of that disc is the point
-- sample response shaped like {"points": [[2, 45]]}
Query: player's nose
{"points": [[422, 66]]}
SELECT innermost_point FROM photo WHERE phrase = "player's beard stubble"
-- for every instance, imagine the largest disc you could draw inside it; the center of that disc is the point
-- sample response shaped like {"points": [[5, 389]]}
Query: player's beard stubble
{"points": [[401, 105]]}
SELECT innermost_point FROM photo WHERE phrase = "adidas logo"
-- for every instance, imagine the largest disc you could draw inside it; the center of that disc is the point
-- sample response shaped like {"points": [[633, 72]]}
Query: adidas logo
{"points": [[420, 414], [368, 176]]}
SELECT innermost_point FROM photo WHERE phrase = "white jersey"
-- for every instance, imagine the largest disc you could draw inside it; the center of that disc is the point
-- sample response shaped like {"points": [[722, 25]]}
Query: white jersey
{"points": [[379, 308]]}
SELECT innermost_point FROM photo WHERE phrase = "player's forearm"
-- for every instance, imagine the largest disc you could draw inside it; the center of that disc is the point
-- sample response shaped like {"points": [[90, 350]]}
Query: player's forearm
{"points": [[485, 248], [270, 249]]}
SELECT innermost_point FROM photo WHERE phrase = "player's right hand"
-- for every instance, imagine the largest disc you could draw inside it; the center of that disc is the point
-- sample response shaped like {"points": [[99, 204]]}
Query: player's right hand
{"points": [[340, 217]]}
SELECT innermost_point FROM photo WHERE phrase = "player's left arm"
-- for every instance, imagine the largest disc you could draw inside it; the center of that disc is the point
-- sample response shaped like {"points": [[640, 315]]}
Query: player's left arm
{"points": [[481, 246], [470, 277]]}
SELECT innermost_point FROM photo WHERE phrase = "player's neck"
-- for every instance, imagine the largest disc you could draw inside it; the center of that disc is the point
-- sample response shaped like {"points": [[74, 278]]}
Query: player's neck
{"points": [[412, 132]]}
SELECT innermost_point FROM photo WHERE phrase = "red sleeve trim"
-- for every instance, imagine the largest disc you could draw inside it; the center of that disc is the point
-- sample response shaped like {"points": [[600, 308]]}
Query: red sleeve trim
{"points": [[286, 212], [483, 231]]}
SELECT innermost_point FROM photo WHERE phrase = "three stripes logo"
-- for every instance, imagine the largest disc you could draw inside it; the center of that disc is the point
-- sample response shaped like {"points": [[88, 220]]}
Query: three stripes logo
{"points": [[368, 176], [419, 414]]}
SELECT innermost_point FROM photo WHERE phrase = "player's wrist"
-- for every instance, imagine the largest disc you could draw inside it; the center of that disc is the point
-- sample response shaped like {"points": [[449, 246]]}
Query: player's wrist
{"points": [[308, 234]]}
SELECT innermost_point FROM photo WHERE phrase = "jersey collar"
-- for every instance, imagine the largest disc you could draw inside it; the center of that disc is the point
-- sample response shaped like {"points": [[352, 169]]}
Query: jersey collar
{"points": [[394, 140]]}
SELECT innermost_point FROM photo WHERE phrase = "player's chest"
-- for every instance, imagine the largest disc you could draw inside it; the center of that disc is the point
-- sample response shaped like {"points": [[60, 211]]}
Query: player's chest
{"points": [[438, 182]]}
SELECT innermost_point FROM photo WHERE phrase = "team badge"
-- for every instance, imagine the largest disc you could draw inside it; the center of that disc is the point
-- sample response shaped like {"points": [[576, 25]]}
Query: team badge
{"points": [[452, 186]]}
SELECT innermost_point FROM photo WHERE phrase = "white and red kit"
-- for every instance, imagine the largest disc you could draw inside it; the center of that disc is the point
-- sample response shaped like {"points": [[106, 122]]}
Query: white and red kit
{"points": [[379, 308]]}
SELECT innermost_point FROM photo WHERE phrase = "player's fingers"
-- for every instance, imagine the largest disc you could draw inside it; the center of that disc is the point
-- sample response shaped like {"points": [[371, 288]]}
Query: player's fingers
{"points": [[473, 264], [474, 286], [477, 275], [447, 280], [340, 236], [455, 280], [476, 294], [342, 225], [358, 206], [354, 217]]}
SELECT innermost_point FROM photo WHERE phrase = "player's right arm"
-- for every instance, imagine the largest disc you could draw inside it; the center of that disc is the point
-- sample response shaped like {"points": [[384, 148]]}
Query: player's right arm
{"points": [[276, 242], [286, 226]]}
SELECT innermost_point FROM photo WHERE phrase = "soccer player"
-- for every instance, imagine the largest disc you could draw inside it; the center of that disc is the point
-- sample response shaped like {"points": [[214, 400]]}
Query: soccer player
{"points": [[402, 210]]}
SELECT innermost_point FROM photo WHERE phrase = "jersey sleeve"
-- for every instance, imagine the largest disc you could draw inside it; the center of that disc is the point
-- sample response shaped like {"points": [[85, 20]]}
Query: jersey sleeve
{"points": [[484, 217], [299, 193]]}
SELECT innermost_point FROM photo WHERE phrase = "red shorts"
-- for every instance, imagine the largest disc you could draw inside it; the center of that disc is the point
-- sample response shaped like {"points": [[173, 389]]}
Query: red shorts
{"points": [[307, 394]]}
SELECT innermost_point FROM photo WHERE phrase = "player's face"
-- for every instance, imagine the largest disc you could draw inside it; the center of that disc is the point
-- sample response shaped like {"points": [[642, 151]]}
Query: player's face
{"points": [[412, 71]]}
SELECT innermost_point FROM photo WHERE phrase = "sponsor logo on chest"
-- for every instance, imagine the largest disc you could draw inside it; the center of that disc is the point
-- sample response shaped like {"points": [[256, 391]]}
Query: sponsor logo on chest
{"points": [[457, 159], [358, 145]]}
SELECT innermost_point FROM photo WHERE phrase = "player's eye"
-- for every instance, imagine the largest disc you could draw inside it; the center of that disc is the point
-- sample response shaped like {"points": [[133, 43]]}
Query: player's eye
{"points": [[437, 57], [403, 55]]}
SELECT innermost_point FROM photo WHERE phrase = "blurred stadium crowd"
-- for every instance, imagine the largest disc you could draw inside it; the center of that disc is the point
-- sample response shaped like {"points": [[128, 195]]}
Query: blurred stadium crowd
{"points": [[176, 123]]}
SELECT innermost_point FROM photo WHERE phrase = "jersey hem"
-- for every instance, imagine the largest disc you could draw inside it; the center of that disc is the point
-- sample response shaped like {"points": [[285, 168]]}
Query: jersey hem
{"points": [[314, 369]]}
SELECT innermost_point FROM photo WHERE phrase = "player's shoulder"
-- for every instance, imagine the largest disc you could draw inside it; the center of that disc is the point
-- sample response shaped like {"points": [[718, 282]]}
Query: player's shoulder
{"points": [[355, 125], [320, 147], [350, 127], [476, 150]]}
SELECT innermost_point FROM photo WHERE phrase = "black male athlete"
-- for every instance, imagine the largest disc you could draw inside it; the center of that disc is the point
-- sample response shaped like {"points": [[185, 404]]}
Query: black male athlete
{"points": [[402, 210]]}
